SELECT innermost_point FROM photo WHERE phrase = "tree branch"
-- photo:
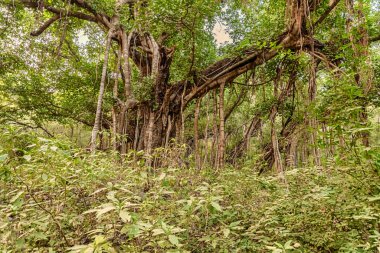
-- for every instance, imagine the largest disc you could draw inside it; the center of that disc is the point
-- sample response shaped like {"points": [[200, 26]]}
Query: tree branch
{"points": [[40, 5], [326, 13], [32, 127], [237, 103], [45, 25], [374, 39]]}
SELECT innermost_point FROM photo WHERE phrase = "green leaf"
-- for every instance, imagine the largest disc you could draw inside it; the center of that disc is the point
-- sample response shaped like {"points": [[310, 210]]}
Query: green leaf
{"points": [[133, 230], [364, 217], [373, 199], [288, 245], [111, 196], [101, 211], [39, 236], [3, 157], [54, 148], [162, 176], [44, 177], [78, 248], [235, 223], [226, 232], [16, 197], [173, 240], [158, 231], [125, 216], [104, 210], [27, 157], [99, 239], [216, 206]]}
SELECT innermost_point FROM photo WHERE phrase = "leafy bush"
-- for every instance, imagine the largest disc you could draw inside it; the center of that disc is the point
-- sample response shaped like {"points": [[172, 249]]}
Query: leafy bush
{"points": [[54, 198]]}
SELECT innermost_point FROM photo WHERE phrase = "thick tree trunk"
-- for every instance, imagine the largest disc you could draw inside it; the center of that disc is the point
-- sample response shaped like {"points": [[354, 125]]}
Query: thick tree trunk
{"points": [[125, 46]]}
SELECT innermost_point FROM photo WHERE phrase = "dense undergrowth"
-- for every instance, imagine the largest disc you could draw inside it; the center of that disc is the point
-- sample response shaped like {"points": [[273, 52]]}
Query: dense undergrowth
{"points": [[56, 198]]}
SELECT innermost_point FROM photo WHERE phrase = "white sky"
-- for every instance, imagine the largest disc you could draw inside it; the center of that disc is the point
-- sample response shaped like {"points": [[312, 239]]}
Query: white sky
{"points": [[220, 34], [82, 38]]}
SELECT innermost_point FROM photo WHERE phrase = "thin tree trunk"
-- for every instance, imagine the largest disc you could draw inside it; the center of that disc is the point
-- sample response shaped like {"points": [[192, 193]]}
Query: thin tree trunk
{"points": [[292, 153], [196, 137], [125, 44], [327, 147], [168, 132], [276, 151], [71, 132], [98, 115], [243, 145], [143, 138], [124, 140], [137, 132], [304, 158], [206, 132], [312, 119], [222, 141], [182, 130], [149, 134], [115, 96], [214, 151]]}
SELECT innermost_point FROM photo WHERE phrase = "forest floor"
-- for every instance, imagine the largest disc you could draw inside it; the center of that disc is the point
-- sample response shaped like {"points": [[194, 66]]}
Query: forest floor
{"points": [[55, 198]]}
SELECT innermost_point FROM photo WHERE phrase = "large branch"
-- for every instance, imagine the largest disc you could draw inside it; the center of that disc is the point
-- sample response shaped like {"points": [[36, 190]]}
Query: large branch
{"points": [[100, 17], [225, 71], [296, 37], [41, 5], [228, 69]]}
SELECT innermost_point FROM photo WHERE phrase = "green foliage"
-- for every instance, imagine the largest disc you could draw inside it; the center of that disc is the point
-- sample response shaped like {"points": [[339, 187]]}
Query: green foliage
{"points": [[49, 189], [144, 88]]}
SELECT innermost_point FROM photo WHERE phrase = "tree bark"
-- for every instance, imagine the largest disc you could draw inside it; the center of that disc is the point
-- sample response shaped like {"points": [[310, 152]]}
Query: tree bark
{"points": [[206, 137], [149, 142], [291, 159], [115, 94], [222, 141], [98, 113], [311, 119], [196, 136], [276, 150], [214, 151]]}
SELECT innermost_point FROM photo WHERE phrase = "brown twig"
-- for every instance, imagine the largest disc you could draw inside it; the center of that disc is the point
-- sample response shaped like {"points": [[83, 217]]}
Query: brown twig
{"points": [[47, 211]]}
